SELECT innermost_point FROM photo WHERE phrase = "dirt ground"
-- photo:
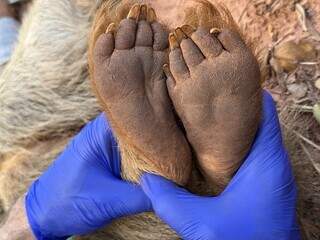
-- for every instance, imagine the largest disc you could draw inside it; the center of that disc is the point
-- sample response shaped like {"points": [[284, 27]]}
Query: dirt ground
{"points": [[271, 24]]}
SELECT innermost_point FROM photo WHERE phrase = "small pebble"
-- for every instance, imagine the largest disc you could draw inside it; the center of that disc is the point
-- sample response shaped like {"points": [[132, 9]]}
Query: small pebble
{"points": [[298, 91], [316, 112], [317, 84]]}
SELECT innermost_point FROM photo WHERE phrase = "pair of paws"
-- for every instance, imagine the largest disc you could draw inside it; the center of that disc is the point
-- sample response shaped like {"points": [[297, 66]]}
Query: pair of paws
{"points": [[212, 79]]}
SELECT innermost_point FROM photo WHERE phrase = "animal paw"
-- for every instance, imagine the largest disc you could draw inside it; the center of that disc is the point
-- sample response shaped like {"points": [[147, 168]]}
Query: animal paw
{"points": [[214, 83], [130, 82]]}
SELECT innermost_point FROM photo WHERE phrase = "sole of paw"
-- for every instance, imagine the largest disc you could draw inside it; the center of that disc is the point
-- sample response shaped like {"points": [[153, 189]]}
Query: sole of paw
{"points": [[214, 83], [130, 82]]}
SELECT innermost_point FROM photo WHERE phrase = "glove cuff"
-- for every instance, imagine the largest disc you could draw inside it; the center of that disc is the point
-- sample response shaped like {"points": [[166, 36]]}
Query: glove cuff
{"points": [[34, 225]]}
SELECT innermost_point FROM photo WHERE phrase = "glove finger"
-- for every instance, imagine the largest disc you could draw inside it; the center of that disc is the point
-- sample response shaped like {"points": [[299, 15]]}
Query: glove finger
{"points": [[269, 133], [96, 142], [165, 196], [268, 158], [177, 207], [270, 121], [155, 186], [124, 199]]}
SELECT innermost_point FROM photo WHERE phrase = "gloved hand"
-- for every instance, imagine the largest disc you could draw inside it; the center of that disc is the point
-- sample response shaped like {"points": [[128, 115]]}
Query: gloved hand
{"points": [[258, 204], [82, 190]]}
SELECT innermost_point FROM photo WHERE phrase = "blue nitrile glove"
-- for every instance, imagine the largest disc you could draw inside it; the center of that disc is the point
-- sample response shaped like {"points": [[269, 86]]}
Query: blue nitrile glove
{"points": [[258, 204], [82, 190], [9, 30]]}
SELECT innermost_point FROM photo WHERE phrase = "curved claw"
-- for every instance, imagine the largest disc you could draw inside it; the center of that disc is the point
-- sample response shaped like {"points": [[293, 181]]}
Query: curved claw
{"points": [[143, 12], [215, 31], [173, 41], [111, 28], [188, 30], [180, 35], [134, 12], [152, 16]]}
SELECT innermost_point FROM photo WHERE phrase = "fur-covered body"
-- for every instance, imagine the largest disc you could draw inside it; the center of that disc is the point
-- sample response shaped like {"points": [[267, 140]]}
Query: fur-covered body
{"points": [[44, 92], [45, 98]]}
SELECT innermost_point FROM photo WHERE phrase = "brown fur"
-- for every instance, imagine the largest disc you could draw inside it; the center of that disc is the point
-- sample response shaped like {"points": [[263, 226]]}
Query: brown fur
{"points": [[44, 100]]}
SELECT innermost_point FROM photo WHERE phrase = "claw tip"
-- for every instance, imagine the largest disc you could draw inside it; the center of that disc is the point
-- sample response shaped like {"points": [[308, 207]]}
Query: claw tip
{"points": [[134, 12], [152, 16], [111, 28], [180, 35], [173, 41], [143, 12], [215, 31]]}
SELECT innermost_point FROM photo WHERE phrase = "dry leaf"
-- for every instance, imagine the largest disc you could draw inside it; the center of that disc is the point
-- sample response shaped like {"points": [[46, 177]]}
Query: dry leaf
{"points": [[316, 112], [263, 59], [302, 16], [289, 54], [274, 63], [317, 83]]}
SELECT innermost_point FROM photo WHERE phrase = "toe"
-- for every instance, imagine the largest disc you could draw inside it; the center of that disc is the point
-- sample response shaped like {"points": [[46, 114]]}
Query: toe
{"points": [[144, 36], [126, 35], [143, 12], [160, 37], [134, 12], [207, 42], [152, 16], [160, 34], [178, 65], [105, 44], [230, 40], [191, 52]]}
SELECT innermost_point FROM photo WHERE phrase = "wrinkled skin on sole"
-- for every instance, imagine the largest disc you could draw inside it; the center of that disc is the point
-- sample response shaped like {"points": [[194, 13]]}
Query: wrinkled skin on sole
{"points": [[130, 82], [214, 85]]}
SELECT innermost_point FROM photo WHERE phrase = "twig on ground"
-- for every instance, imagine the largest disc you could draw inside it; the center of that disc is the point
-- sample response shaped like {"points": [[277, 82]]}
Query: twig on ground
{"points": [[301, 100], [302, 16], [314, 163], [286, 35], [303, 138], [276, 5], [303, 108], [244, 11], [309, 63], [305, 22], [307, 140]]}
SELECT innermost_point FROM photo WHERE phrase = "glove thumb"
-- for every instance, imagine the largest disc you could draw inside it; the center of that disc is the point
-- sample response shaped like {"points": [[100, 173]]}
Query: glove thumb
{"points": [[176, 206], [164, 195]]}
